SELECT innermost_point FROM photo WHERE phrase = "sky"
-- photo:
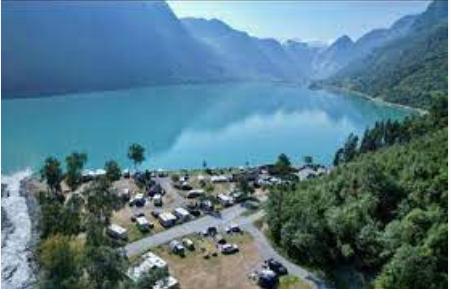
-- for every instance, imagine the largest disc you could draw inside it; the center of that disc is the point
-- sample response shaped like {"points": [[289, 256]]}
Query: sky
{"points": [[322, 21]]}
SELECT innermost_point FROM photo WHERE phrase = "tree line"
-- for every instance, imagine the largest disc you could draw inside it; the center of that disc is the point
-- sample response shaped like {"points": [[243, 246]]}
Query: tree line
{"points": [[74, 250], [382, 211]]}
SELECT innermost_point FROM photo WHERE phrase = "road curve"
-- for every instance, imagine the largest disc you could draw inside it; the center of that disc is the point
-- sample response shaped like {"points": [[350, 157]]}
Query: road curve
{"points": [[233, 214], [142, 245]]}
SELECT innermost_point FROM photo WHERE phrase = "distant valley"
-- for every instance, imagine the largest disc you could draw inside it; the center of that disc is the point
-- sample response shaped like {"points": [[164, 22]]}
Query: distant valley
{"points": [[143, 43]]}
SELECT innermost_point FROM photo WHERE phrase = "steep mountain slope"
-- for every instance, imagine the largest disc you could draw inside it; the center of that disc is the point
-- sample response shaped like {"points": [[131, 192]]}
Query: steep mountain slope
{"points": [[65, 46], [343, 51], [411, 70], [246, 56], [68, 46], [330, 60]]}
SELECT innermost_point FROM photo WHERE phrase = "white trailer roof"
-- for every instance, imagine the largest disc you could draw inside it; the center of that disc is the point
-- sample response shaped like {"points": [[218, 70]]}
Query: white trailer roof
{"points": [[182, 211], [142, 221], [117, 229], [149, 261], [139, 196], [166, 216]]}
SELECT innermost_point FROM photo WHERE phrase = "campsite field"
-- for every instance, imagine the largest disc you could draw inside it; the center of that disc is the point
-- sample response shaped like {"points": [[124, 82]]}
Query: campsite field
{"points": [[224, 271], [193, 271]]}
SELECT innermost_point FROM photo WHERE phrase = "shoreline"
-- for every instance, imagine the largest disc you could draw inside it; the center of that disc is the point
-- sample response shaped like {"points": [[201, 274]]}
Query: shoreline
{"points": [[20, 233], [154, 85], [34, 213], [350, 92]]}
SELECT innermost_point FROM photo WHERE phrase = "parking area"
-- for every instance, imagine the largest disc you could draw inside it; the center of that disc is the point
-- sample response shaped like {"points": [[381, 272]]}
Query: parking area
{"points": [[195, 195]]}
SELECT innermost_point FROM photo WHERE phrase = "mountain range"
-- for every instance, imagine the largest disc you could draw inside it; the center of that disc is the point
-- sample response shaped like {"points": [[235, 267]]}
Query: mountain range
{"points": [[69, 46], [409, 70]]}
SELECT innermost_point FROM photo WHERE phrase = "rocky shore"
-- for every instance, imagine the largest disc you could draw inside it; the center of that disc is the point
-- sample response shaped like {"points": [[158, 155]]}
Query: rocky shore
{"points": [[20, 212]]}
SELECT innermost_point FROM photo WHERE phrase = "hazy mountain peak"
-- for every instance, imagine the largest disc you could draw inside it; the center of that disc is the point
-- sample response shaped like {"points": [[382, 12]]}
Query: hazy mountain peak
{"points": [[209, 28], [404, 22], [344, 40], [295, 44], [436, 13]]}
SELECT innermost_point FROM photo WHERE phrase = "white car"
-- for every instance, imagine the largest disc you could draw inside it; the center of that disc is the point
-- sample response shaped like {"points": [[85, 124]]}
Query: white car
{"points": [[229, 249], [233, 228]]}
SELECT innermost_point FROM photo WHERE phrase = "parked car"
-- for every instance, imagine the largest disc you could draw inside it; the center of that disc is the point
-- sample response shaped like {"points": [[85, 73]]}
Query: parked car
{"points": [[157, 200], [195, 212], [212, 231], [188, 244], [276, 267], [155, 214], [268, 279], [234, 228], [220, 239], [228, 249], [137, 215], [176, 247]]}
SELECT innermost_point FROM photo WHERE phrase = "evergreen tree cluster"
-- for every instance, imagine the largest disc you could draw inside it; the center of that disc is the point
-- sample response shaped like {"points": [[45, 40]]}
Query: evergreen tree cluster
{"points": [[382, 210]]}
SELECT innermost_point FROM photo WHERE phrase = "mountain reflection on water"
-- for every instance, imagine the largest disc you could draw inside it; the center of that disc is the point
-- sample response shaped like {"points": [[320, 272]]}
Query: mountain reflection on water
{"points": [[183, 125]]}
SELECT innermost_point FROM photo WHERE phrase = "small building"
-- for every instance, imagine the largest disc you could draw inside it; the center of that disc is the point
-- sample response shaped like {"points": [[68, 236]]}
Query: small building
{"points": [[167, 219], [87, 175], [182, 214], [143, 224], [225, 200], [149, 261], [117, 232], [99, 173], [195, 193], [322, 171], [306, 173], [157, 200]]}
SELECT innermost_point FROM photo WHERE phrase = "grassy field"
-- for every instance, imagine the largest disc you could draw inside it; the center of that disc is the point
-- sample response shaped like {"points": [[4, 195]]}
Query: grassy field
{"points": [[292, 282], [123, 218], [221, 271]]}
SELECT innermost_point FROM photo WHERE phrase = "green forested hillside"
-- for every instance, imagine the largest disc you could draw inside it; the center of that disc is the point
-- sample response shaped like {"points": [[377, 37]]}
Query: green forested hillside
{"points": [[382, 210], [411, 70]]}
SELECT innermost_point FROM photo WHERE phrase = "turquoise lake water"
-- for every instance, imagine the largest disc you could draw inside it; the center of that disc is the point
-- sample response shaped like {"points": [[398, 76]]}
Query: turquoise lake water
{"points": [[182, 126]]}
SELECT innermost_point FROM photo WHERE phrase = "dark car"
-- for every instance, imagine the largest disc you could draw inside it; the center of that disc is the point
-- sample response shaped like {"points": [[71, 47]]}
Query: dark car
{"points": [[137, 215], [268, 279], [276, 267], [155, 214], [212, 231], [195, 212]]}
